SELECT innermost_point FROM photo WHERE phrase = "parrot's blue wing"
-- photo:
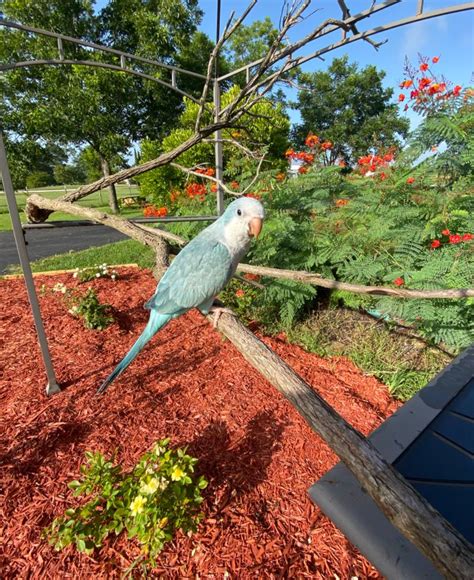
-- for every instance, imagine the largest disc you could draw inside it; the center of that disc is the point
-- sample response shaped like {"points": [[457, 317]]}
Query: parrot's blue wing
{"points": [[196, 275]]}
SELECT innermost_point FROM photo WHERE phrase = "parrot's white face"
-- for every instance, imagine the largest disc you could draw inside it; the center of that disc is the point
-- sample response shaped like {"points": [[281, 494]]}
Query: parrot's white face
{"points": [[242, 221]]}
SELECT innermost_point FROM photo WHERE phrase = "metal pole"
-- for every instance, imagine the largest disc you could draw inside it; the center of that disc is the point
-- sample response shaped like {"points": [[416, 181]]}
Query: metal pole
{"points": [[218, 148], [52, 387]]}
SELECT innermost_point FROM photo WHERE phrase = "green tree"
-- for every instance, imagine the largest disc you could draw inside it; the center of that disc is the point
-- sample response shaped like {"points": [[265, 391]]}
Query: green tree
{"points": [[349, 107], [27, 157], [87, 106], [264, 127]]}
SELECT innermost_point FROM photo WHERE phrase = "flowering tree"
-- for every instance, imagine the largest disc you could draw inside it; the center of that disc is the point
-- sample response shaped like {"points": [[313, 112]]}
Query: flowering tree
{"points": [[446, 135], [349, 108]]}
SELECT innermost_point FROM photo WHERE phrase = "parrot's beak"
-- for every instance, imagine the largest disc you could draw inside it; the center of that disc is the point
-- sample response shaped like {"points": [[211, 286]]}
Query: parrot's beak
{"points": [[255, 227]]}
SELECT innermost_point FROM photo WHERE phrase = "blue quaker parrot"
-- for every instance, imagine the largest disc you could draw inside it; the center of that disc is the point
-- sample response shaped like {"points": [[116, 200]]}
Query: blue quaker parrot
{"points": [[199, 272]]}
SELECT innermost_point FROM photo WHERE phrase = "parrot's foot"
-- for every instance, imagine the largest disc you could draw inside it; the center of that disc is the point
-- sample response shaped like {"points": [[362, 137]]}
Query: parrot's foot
{"points": [[217, 311]]}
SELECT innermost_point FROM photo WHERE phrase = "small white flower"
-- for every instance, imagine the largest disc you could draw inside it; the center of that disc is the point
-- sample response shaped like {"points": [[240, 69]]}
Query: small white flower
{"points": [[74, 275], [64, 289], [113, 276], [97, 275]]}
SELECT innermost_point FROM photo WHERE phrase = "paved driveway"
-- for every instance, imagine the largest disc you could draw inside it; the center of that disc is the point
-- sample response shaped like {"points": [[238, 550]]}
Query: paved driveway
{"points": [[43, 242]]}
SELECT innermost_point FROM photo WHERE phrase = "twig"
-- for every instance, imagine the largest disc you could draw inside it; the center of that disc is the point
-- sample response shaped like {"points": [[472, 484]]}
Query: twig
{"points": [[148, 236]]}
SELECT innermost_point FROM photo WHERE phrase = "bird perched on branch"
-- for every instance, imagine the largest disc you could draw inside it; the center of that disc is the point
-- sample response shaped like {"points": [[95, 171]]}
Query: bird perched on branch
{"points": [[199, 272]]}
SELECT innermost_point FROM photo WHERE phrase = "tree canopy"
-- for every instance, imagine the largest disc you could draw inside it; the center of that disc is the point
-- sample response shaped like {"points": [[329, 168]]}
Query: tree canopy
{"points": [[88, 106], [349, 107]]}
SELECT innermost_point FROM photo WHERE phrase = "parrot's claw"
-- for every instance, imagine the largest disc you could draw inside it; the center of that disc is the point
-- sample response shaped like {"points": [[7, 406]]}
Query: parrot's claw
{"points": [[217, 311]]}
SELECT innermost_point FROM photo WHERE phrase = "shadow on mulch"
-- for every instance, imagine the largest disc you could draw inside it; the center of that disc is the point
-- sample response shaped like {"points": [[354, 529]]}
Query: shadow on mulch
{"points": [[257, 453], [35, 447], [241, 465]]}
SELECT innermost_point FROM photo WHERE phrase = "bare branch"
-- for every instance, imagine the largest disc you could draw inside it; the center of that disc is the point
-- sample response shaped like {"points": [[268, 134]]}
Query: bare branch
{"points": [[218, 181], [237, 144], [316, 280], [147, 235]]}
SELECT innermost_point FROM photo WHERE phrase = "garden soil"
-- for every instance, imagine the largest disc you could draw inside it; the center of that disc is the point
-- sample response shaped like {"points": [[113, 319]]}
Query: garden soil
{"points": [[189, 384]]}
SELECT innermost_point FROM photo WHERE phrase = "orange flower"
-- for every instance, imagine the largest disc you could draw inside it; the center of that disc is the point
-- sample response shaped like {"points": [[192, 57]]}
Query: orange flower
{"points": [[446, 232], [424, 82], [195, 190], [152, 211], [435, 244], [342, 163], [383, 176], [236, 134], [326, 145], [401, 98], [341, 202], [234, 184], [254, 195], [280, 176], [435, 59], [289, 153], [399, 281], [302, 169], [406, 84], [424, 66], [410, 180], [456, 90], [311, 140], [240, 293], [214, 187]]}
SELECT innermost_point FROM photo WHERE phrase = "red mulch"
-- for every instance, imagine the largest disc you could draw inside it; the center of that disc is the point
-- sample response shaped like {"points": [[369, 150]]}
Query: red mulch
{"points": [[257, 453]]}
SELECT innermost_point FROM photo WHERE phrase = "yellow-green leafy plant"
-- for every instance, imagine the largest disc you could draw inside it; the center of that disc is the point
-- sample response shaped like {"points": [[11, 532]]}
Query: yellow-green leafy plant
{"points": [[159, 496]]}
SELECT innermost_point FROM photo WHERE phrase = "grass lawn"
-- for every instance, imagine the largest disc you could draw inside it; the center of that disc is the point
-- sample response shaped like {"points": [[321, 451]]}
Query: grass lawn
{"points": [[97, 200], [125, 252]]}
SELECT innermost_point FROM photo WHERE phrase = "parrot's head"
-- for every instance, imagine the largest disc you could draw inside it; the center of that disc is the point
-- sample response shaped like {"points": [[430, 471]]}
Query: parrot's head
{"points": [[243, 220]]}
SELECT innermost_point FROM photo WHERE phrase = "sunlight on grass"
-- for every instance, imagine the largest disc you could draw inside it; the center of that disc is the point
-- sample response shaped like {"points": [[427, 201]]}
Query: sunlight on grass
{"points": [[125, 252], [97, 200], [402, 362]]}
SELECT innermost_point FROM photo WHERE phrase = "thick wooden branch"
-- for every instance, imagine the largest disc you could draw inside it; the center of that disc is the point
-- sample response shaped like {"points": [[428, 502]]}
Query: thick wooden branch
{"points": [[408, 511], [144, 234], [149, 236], [36, 215], [315, 280]]}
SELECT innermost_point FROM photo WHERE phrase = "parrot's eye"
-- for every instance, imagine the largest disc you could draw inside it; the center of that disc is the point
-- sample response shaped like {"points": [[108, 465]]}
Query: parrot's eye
{"points": [[239, 212]]}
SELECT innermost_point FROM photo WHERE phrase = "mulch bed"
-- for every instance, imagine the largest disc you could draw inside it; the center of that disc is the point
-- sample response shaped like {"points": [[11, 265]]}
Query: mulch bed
{"points": [[258, 454]]}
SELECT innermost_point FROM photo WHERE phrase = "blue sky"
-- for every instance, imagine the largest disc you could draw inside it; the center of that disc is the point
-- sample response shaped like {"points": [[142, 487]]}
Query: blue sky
{"points": [[449, 37]]}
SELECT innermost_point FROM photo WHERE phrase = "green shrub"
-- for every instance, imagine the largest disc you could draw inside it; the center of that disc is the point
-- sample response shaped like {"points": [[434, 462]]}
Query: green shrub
{"points": [[377, 232], [159, 496], [96, 316], [39, 179]]}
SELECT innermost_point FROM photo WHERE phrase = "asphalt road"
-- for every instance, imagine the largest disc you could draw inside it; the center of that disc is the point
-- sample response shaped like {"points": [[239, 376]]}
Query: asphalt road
{"points": [[43, 242]]}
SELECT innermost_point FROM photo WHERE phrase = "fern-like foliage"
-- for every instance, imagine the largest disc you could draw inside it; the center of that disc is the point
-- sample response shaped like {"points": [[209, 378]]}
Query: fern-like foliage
{"points": [[378, 233]]}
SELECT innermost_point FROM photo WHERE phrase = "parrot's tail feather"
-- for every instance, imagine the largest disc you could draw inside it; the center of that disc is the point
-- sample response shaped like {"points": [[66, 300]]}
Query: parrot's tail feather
{"points": [[156, 322]]}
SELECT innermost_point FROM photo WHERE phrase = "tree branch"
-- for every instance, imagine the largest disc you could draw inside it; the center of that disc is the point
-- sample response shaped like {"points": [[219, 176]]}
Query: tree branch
{"points": [[315, 280], [148, 236], [403, 506]]}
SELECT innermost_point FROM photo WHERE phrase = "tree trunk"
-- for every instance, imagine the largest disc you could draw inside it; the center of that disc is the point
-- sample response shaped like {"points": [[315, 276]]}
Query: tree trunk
{"points": [[113, 203], [406, 509]]}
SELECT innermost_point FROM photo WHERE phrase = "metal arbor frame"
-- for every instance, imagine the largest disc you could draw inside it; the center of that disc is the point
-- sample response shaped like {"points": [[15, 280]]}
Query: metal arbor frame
{"points": [[126, 63]]}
